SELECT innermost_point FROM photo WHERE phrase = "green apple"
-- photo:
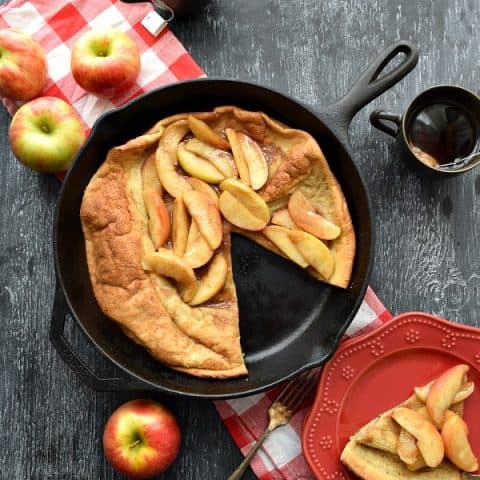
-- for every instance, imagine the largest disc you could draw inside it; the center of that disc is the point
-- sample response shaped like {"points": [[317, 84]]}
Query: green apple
{"points": [[46, 134]]}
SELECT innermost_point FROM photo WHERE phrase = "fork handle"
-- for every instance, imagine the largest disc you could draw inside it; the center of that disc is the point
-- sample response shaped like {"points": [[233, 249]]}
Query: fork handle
{"points": [[238, 473]]}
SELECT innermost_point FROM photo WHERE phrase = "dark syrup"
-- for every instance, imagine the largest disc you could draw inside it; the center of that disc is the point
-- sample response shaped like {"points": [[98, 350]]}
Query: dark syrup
{"points": [[441, 133]]}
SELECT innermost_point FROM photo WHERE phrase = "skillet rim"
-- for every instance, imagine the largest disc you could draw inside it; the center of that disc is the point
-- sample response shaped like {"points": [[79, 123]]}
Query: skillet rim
{"points": [[327, 119]]}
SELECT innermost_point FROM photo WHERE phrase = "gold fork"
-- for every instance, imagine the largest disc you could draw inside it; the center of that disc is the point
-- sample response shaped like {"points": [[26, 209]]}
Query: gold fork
{"points": [[280, 412]]}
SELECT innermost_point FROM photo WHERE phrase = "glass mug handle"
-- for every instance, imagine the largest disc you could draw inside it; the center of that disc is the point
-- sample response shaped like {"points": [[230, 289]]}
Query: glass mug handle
{"points": [[384, 120]]}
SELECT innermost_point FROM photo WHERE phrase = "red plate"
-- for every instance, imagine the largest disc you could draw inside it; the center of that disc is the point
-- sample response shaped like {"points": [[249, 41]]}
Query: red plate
{"points": [[369, 375]]}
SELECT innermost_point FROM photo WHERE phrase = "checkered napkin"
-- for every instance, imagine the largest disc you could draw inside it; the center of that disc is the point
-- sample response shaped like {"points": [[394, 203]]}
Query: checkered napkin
{"points": [[246, 418], [56, 25]]}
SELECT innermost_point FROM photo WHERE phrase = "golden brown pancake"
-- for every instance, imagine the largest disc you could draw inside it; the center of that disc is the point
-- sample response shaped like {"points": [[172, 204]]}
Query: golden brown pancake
{"points": [[201, 340]]}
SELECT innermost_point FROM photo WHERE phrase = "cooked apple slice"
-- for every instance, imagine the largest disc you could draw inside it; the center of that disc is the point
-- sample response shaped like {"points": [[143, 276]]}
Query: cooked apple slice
{"points": [[429, 441], [221, 160], [213, 281], [158, 217], [206, 134], [279, 236], [238, 157], [467, 389], [443, 391], [180, 227], [166, 160], [407, 447], [165, 262], [457, 446], [150, 178], [249, 158], [314, 251], [305, 216], [198, 252], [242, 207], [197, 166], [188, 291], [205, 188], [206, 215], [283, 218]]}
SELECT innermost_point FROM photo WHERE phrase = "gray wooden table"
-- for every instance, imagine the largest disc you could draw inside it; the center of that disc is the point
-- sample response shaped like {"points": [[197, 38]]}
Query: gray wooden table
{"points": [[428, 230]]}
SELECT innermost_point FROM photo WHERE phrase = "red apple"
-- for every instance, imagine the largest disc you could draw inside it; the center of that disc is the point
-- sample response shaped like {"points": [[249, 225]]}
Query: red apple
{"points": [[46, 134], [141, 439], [105, 62], [23, 66]]}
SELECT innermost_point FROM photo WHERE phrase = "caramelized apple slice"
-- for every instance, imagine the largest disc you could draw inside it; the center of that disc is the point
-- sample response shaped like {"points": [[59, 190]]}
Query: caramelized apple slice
{"points": [[242, 207], [457, 446], [197, 166], [198, 252], [180, 227], [429, 441], [212, 282], [314, 251], [443, 391], [466, 390], [407, 447], [206, 215], [205, 188], [164, 262], [206, 134], [150, 180], [166, 160], [305, 216], [188, 291], [283, 218], [240, 162], [158, 217], [279, 236], [221, 160], [251, 162]]}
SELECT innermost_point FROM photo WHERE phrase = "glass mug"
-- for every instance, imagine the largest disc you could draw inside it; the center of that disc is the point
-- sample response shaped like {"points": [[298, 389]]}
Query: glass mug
{"points": [[439, 133]]}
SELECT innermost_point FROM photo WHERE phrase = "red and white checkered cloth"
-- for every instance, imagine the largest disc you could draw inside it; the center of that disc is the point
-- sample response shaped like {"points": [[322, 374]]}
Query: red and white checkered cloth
{"points": [[56, 25]]}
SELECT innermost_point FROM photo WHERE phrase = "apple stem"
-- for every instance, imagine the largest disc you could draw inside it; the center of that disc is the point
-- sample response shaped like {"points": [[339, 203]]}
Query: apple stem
{"points": [[134, 444]]}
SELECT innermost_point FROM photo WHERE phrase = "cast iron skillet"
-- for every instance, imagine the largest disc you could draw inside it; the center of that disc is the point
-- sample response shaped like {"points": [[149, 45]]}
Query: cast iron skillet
{"points": [[289, 322]]}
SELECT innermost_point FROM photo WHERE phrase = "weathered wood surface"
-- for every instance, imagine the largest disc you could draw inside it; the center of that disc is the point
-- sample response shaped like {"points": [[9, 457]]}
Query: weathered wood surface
{"points": [[428, 230]]}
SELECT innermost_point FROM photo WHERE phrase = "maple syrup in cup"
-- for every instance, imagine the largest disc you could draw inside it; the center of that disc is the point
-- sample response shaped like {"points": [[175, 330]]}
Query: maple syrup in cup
{"points": [[439, 133]]}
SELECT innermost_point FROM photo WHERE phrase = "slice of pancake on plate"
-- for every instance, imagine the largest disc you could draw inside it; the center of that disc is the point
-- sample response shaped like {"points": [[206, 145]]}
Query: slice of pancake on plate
{"points": [[157, 218]]}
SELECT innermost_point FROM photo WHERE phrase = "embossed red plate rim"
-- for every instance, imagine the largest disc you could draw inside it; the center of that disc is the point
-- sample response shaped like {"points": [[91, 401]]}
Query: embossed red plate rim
{"points": [[416, 346]]}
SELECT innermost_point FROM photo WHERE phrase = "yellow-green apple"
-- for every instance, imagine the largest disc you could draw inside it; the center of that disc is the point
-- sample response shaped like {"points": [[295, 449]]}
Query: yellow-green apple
{"points": [[243, 207], [205, 188], [205, 213], [304, 215], [429, 441], [314, 251], [279, 236], [105, 62], [206, 134], [46, 134], [212, 282], [197, 166], [158, 217], [443, 392], [141, 439], [457, 446], [23, 66], [220, 159], [180, 227], [198, 252]]}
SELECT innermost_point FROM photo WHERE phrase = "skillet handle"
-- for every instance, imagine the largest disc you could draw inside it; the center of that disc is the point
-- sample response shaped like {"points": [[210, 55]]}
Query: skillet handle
{"points": [[71, 358], [369, 86]]}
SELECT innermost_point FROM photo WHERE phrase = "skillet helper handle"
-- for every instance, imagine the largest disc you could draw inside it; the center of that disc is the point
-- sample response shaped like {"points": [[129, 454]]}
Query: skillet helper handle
{"points": [[369, 86], [71, 358], [387, 122]]}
